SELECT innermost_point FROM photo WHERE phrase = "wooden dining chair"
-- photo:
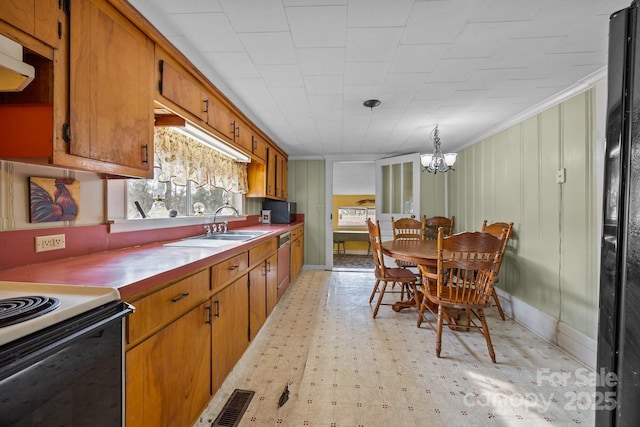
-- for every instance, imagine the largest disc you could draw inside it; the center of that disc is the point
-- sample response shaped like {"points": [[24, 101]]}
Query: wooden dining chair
{"points": [[497, 229], [408, 229], [463, 282], [384, 274], [433, 223]]}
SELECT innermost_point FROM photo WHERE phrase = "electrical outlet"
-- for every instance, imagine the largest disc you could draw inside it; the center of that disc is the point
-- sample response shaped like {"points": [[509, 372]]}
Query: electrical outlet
{"points": [[49, 243]]}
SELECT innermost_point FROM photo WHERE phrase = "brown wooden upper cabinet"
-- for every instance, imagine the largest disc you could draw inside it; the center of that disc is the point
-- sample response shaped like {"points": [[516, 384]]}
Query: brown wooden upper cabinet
{"points": [[269, 179], [259, 148], [96, 81], [111, 87], [185, 92], [38, 18]]}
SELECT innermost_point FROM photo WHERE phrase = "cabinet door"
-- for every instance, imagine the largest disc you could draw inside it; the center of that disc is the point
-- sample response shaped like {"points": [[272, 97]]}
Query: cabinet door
{"points": [[259, 148], [183, 90], [111, 87], [257, 299], [281, 178], [229, 329], [19, 13], [272, 282], [38, 18], [272, 161], [220, 117], [175, 365], [297, 257], [242, 134]]}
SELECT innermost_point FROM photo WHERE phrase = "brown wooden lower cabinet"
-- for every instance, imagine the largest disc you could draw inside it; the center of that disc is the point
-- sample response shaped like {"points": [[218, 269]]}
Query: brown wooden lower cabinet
{"points": [[169, 374], [263, 293], [230, 328], [185, 337], [297, 252]]}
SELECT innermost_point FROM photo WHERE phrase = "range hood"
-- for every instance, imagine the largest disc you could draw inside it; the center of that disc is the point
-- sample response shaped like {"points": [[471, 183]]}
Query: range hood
{"points": [[15, 74]]}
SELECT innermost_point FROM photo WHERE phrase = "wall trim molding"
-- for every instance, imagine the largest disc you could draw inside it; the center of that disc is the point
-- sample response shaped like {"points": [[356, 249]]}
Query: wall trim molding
{"points": [[569, 339], [582, 85]]}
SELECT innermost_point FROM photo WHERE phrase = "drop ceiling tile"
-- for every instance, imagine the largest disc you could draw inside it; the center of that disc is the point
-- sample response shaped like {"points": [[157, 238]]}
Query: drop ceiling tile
{"points": [[289, 95], [506, 10], [403, 82], [269, 48], [318, 26], [323, 85], [378, 13], [321, 61], [209, 32], [278, 75], [454, 70], [372, 44], [187, 6], [255, 16], [434, 22], [232, 65], [422, 58], [478, 40], [365, 73]]}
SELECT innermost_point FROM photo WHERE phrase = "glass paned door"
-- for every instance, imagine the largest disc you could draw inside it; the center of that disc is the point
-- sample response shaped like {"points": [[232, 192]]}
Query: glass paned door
{"points": [[397, 189]]}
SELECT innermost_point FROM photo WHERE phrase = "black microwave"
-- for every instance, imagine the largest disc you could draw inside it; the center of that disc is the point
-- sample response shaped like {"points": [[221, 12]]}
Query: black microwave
{"points": [[281, 212]]}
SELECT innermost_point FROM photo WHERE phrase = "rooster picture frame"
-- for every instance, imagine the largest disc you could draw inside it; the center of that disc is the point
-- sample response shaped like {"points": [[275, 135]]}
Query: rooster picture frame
{"points": [[53, 199]]}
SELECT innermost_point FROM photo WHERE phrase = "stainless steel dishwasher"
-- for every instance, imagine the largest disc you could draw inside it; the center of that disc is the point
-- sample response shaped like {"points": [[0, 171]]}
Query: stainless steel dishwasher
{"points": [[284, 243]]}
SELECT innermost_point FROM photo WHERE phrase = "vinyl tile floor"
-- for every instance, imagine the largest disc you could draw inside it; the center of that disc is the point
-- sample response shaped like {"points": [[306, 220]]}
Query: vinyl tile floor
{"points": [[344, 368]]}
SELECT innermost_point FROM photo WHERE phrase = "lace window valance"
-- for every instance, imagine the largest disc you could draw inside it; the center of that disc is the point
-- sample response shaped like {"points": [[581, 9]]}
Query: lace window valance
{"points": [[179, 159]]}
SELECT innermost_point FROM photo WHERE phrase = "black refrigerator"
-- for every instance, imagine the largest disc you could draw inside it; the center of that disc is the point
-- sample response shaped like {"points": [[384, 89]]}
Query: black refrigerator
{"points": [[617, 398]]}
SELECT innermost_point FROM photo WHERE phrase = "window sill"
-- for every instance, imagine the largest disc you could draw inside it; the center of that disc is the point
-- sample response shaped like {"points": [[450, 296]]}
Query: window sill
{"points": [[127, 225]]}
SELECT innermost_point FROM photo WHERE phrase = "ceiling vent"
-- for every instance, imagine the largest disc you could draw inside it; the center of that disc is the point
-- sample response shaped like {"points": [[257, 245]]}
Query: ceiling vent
{"points": [[15, 74]]}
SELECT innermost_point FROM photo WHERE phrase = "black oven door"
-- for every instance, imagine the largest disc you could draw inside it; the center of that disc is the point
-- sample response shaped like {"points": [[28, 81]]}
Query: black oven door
{"points": [[70, 374]]}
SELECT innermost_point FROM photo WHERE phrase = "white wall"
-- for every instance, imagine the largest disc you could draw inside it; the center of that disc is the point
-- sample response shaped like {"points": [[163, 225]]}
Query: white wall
{"points": [[14, 195], [354, 178]]}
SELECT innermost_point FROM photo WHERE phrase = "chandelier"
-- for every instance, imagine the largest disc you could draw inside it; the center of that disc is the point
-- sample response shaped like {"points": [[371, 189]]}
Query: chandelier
{"points": [[437, 162]]}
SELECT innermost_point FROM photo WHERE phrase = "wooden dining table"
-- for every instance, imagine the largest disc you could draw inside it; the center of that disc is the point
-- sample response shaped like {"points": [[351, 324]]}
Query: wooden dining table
{"points": [[423, 252]]}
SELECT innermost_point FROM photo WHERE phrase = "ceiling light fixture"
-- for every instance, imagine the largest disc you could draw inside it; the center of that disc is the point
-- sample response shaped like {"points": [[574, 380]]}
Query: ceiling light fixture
{"points": [[437, 162], [371, 103]]}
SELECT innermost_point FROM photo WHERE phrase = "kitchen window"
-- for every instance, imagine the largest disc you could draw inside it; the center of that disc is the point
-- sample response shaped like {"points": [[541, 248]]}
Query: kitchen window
{"points": [[355, 216], [191, 178]]}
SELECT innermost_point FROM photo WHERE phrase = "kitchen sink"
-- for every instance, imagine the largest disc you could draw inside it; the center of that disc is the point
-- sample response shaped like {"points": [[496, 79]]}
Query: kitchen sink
{"points": [[237, 235], [217, 240]]}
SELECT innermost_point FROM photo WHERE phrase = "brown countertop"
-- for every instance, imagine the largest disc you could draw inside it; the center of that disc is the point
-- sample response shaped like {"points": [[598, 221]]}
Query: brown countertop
{"points": [[135, 269]]}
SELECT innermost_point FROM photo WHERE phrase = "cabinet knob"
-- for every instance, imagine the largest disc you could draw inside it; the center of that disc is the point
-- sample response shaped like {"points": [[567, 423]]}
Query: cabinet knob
{"points": [[234, 267]]}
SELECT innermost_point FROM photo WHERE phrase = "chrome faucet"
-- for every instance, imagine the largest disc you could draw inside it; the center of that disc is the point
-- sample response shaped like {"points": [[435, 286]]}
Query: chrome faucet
{"points": [[223, 226]]}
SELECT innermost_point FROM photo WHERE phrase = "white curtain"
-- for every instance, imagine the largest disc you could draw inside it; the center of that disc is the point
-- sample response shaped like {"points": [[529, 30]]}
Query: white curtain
{"points": [[180, 159]]}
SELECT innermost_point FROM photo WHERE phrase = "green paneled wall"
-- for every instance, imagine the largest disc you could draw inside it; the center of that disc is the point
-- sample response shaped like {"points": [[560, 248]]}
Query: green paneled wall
{"points": [[552, 261], [306, 187]]}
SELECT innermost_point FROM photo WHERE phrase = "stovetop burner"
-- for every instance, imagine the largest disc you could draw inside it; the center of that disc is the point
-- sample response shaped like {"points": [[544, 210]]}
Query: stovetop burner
{"points": [[19, 309]]}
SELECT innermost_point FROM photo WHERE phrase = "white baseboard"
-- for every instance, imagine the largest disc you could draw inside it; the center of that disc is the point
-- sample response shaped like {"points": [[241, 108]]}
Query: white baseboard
{"points": [[569, 339]]}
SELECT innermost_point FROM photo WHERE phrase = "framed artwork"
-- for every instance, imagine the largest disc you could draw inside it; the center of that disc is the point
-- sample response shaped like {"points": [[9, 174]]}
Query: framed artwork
{"points": [[53, 199]]}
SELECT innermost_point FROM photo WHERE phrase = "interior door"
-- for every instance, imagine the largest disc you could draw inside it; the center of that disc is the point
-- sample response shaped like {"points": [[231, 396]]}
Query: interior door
{"points": [[397, 190]]}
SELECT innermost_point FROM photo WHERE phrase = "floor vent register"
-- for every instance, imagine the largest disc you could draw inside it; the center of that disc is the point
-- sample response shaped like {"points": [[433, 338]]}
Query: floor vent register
{"points": [[234, 409]]}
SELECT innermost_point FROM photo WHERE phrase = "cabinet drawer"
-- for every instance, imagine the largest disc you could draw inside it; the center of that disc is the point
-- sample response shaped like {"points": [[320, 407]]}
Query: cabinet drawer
{"points": [[296, 233], [162, 307], [227, 271], [262, 251]]}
